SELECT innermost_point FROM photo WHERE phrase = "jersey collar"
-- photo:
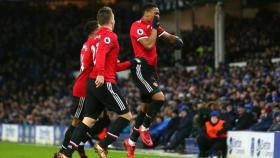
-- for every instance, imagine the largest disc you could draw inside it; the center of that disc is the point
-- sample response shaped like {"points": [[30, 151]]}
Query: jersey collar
{"points": [[104, 28], [145, 22]]}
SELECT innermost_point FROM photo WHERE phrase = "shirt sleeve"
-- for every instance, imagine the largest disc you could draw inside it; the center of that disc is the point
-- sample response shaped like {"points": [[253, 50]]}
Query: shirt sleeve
{"points": [[138, 32], [102, 48], [160, 31], [123, 66]]}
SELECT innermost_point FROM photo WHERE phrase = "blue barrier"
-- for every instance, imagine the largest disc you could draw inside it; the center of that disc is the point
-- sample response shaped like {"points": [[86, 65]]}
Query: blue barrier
{"points": [[277, 144], [191, 146], [51, 135], [248, 144]]}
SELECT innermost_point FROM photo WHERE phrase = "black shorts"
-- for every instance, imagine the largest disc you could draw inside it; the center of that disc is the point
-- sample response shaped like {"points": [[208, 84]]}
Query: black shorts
{"points": [[107, 96], [78, 108], [145, 78]]}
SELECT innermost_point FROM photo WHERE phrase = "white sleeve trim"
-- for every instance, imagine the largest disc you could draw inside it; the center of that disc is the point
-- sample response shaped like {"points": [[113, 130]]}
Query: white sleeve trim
{"points": [[142, 38], [162, 33]]}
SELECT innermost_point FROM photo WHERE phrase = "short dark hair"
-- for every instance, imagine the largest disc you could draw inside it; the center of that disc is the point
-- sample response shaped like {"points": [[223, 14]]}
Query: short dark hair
{"points": [[90, 27], [149, 6], [104, 15]]}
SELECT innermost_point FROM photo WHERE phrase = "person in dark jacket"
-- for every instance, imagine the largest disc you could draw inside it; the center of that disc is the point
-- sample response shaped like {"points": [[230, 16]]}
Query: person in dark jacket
{"points": [[276, 123], [229, 116], [245, 118], [183, 130], [171, 128], [265, 121], [213, 139]]}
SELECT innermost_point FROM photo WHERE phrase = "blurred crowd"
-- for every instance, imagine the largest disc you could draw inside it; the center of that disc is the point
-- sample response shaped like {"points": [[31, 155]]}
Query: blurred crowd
{"points": [[247, 98], [39, 50], [252, 38]]}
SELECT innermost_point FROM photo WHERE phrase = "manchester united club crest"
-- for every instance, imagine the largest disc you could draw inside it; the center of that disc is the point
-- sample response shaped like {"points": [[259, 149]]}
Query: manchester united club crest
{"points": [[155, 84]]}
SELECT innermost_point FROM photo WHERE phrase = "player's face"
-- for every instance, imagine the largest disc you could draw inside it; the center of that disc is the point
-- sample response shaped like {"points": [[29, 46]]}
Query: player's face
{"points": [[152, 13], [156, 12]]}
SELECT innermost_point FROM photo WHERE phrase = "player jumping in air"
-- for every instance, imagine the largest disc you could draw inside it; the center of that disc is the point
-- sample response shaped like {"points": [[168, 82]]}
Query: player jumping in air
{"points": [[144, 34]]}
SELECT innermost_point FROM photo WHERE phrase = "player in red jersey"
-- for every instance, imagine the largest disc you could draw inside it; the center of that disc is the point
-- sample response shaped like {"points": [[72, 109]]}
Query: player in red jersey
{"points": [[144, 34], [79, 90], [102, 91]]}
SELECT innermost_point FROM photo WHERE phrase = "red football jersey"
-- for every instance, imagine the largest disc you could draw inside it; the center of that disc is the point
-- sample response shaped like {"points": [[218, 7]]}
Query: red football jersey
{"points": [[107, 52], [86, 61], [143, 29]]}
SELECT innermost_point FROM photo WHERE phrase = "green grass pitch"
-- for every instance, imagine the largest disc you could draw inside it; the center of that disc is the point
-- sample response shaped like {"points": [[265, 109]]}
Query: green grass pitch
{"points": [[13, 150]]}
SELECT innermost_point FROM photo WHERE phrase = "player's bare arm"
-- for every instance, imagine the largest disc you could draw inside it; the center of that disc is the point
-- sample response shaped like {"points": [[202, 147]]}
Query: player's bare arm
{"points": [[168, 37], [172, 39], [150, 41]]}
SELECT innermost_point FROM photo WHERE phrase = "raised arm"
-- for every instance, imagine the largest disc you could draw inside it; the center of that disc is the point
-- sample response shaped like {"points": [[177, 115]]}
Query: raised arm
{"points": [[177, 41], [148, 42]]}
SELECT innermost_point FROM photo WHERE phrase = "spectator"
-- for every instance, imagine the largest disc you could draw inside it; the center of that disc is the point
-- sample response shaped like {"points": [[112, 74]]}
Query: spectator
{"points": [[264, 122], [276, 123], [213, 139], [183, 129], [171, 128], [245, 118], [229, 116]]}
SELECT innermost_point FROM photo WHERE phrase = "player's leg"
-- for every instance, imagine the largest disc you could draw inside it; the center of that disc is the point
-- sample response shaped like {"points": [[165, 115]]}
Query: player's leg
{"points": [[103, 122], [158, 100], [99, 127], [115, 102], [153, 108], [77, 114], [145, 80], [75, 121], [148, 77], [138, 122], [116, 128], [93, 108]]}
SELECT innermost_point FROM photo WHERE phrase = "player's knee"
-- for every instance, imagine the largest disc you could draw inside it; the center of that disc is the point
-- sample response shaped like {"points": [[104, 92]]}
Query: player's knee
{"points": [[144, 108], [75, 122], [127, 116], [155, 107], [89, 121], [159, 96], [157, 104]]}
